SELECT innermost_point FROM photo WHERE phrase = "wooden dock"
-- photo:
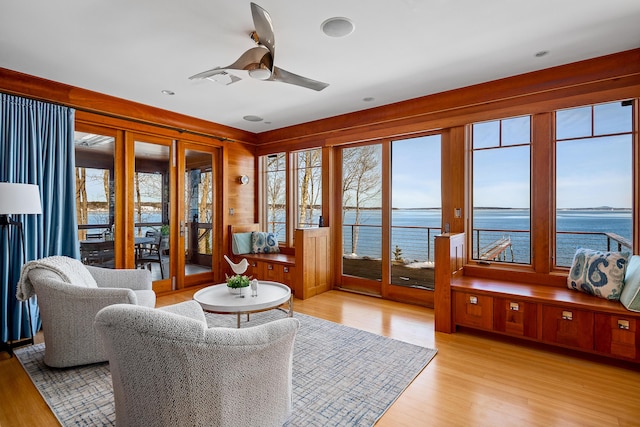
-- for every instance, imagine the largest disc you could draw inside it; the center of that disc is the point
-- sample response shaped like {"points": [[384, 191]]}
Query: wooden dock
{"points": [[496, 251]]}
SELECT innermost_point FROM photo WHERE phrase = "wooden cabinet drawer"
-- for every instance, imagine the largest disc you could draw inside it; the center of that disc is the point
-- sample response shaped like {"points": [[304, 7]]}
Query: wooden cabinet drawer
{"points": [[288, 276], [515, 317], [473, 310], [617, 335], [272, 272], [254, 270], [567, 326]]}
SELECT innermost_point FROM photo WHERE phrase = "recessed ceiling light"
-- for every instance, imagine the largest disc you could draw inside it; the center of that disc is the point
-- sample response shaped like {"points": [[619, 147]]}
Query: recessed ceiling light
{"points": [[337, 27], [168, 92], [253, 118], [368, 99], [542, 53]]}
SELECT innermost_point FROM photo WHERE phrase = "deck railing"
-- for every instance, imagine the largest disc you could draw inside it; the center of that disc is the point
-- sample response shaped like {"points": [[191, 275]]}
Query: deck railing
{"points": [[416, 243]]}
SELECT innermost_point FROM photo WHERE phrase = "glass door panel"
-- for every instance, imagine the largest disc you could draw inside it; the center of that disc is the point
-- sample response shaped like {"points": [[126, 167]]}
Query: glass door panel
{"points": [[95, 196], [151, 210], [198, 213], [416, 210], [362, 213]]}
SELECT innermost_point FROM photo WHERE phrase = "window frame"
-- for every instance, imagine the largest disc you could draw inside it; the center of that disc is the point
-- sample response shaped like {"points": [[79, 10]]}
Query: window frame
{"points": [[471, 204], [594, 135]]}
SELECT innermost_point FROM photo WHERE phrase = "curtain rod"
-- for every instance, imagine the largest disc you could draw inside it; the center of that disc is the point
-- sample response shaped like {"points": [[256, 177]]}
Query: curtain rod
{"points": [[122, 117]]}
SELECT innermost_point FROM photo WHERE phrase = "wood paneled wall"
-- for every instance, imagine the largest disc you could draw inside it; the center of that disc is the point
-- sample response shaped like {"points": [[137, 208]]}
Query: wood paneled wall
{"points": [[603, 79]]}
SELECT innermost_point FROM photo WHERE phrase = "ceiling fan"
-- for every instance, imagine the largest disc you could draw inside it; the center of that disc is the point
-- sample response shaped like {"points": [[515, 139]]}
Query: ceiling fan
{"points": [[259, 60]]}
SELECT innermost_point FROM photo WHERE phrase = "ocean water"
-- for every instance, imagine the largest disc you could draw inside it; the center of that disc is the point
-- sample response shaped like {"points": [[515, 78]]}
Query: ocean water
{"points": [[412, 229], [511, 223]]}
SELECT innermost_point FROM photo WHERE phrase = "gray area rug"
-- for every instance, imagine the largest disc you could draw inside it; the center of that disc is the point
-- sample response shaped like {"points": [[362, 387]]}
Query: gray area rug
{"points": [[341, 376]]}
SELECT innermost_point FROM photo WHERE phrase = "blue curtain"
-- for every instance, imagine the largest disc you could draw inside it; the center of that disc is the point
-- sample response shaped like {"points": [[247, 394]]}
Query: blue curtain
{"points": [[36, 147]]}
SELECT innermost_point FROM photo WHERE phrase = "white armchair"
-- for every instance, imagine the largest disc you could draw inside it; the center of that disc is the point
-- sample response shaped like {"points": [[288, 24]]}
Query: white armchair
{"points": [[171, 370], [69, 295]]}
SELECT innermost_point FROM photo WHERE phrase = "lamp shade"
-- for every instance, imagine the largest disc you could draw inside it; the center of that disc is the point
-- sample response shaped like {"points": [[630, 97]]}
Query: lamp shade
{"points": [[19, 199]]}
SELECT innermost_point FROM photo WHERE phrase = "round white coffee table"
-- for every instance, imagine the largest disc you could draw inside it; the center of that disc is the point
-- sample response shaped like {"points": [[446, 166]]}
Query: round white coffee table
{"points": [[217, 299]]}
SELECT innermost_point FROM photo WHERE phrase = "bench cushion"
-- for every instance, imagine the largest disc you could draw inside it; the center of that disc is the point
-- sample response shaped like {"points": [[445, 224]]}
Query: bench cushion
{"points": [[630, 296], [241, 243], [598, 273]]}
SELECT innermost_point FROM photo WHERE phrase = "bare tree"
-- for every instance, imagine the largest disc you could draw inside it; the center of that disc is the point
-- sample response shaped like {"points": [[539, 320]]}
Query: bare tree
{"points": [[204, 209], [361, 183], [309, 184], [276, 188], [82, 208]]}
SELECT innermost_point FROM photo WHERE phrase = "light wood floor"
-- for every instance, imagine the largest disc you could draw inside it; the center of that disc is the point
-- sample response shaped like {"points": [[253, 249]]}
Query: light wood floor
{"points": [[475, 380]]}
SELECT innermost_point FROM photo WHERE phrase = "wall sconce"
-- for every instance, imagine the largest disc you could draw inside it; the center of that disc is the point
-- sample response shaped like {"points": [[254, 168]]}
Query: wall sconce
{"points": [[244, 179]]}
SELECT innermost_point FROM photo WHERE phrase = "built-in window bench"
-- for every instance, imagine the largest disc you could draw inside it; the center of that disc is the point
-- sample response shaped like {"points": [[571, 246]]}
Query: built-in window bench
{"points": [[546, 313], [305, 270]]}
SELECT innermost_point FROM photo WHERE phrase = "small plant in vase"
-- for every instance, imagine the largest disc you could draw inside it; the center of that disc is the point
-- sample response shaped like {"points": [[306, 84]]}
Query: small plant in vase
{"points": [[237, 283]]}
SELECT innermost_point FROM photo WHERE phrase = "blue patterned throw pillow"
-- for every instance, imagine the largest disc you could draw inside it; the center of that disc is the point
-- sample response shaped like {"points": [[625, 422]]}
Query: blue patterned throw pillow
{"points": [[264, 243], [598, 273]]}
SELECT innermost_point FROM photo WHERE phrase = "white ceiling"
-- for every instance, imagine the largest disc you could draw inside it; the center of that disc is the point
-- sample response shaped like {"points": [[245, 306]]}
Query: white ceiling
{"points": [[400, 49]]}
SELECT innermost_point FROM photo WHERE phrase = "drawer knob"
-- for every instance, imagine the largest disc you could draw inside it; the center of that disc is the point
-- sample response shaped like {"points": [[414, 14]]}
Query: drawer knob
{"points": [[514, 306], [286, 269], [567, 315], [473, 299], [623, 324], [269, 267]]}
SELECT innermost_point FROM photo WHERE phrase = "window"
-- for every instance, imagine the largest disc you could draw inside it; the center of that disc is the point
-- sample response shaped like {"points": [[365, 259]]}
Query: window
{"points": [[362, 211], [275, 192], [501, 227], [593, 179], [308, 165], [416, 210], [95, 207]]}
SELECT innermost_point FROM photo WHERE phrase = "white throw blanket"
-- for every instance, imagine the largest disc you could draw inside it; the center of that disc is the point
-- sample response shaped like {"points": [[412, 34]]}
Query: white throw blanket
{"points": [[70, 270]]}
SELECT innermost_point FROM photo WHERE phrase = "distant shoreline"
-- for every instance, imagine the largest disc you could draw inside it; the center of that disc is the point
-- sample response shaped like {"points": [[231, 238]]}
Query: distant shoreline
{"points": [[488, 208]]}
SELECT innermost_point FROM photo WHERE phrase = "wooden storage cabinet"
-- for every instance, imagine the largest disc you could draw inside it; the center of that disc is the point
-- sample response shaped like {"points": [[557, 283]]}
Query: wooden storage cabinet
{"points": [[617, 335], [567, 326], [272, 271], [307, 272], [515, 317], [549, 313], [474, 310]]}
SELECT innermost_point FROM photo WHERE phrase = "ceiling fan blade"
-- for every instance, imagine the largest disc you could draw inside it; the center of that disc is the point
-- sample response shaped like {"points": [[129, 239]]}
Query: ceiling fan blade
{"points": [[264, 27], [248, 60], [285, 76]]}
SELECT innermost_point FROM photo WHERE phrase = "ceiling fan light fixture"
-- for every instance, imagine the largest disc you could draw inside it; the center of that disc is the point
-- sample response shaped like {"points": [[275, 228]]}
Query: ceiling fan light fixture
{"points": [[337, 27]]}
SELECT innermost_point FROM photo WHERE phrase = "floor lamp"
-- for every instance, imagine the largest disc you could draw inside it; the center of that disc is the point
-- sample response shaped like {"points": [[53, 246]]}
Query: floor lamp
{"points": [[16, 199]]}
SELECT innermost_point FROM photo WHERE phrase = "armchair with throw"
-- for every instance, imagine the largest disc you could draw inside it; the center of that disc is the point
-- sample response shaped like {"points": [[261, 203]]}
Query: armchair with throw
{"points": [[69, 295], [170, 370]]}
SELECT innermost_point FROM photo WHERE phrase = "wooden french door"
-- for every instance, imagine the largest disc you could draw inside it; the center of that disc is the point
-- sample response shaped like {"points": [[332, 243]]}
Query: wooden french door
{"points": [[171, 194], [198, 213]]}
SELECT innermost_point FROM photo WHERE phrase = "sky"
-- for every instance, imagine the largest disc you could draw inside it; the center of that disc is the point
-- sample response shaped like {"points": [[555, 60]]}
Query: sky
{"points": [[590, 172]]}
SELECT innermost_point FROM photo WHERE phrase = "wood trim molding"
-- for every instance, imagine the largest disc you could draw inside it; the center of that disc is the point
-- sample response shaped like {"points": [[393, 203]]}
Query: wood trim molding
{"points": [[594, 80], [15, 83]]}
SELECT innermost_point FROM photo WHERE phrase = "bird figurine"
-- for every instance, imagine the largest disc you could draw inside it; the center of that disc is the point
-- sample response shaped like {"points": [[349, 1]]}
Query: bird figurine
{"points": [[254, 288], [240, 267]]}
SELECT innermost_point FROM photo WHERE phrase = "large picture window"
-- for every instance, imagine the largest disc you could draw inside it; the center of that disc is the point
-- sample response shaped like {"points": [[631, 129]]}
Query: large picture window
{"points": [[594, 179], [501, 186], [275, 194]]}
